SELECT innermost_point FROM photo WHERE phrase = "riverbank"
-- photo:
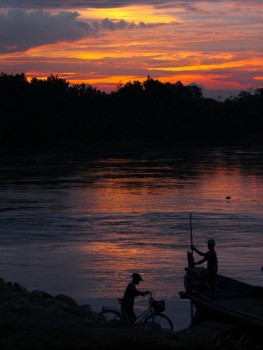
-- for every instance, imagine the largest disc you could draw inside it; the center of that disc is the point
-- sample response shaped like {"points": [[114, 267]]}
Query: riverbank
{"points": [[37, 320]]}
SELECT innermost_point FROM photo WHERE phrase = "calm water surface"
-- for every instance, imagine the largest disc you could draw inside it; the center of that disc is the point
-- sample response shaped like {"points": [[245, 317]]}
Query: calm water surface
{"points": [[80, 224]]}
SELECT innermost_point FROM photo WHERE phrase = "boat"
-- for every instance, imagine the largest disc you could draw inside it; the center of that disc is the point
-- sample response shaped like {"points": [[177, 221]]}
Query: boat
{"points": [[234, 301]]}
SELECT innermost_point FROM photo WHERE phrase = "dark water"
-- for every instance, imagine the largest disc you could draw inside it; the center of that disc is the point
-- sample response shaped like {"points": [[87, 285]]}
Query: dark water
{"points": [[80, 224]]}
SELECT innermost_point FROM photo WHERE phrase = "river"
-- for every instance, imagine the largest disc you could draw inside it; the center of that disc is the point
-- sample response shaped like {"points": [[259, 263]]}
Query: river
{"points": [[81, 223]]}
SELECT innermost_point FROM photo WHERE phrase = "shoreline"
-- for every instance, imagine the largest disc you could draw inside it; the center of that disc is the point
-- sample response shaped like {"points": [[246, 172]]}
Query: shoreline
{"points": [[37, 320]]}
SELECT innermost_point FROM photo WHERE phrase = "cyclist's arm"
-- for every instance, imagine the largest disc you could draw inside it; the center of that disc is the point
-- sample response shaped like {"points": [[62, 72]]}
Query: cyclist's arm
{"points": [[138, 292]]}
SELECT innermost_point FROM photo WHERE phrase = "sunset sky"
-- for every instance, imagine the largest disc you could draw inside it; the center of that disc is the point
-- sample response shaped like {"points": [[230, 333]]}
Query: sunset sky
{"points": [[216, 43]]}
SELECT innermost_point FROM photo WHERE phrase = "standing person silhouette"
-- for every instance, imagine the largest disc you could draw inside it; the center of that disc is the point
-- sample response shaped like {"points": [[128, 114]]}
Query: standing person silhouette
{"points": [[130, 293], [212, 265]]}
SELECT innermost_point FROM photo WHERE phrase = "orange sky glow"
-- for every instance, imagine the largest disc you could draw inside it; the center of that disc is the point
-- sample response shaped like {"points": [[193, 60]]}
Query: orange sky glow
{"points": [[216, 43]]}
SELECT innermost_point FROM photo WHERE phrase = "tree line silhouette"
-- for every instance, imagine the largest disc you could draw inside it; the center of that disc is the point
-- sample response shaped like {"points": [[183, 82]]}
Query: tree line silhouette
{"points": [[52, 112]]}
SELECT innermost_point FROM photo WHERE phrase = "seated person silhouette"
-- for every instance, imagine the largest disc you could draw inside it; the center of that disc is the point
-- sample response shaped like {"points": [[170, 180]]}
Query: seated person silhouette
{"points": [[212, 265]]}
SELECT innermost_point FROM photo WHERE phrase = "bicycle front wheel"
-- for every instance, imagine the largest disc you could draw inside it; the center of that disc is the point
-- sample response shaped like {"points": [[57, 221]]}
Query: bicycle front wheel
{"points": [[158, 322], [111, 316]]}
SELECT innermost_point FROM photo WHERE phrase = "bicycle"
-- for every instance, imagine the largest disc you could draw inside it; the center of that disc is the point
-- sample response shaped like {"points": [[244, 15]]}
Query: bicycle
{"points": [[151, 319]]}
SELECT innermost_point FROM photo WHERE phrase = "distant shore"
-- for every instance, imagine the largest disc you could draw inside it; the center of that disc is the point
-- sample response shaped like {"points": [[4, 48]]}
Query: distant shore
{"points": [[40, 113]]}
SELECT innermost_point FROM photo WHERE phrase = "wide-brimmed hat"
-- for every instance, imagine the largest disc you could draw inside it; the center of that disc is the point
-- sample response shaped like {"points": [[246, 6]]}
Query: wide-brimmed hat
{"points": [[137, 276]]}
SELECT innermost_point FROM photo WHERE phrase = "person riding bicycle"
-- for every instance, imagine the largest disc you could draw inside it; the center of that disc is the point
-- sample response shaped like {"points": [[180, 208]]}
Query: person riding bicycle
{"points": [[130, 293]]}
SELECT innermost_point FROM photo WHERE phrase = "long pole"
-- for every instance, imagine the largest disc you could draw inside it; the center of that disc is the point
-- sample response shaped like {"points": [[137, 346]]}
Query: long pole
{"points": [[191, 232]]}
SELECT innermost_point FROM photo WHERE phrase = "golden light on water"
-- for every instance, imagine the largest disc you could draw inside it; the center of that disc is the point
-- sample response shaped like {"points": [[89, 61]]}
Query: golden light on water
{"points": [[129, 189], [123, 258]]}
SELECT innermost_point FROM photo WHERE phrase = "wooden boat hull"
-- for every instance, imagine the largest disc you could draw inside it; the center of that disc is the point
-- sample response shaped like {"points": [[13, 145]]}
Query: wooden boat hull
{"points": [[235, 301]]}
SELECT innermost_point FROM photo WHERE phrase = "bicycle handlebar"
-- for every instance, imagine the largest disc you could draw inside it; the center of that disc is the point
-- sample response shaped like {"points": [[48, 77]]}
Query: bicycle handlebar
{"points": [[150, 295]]}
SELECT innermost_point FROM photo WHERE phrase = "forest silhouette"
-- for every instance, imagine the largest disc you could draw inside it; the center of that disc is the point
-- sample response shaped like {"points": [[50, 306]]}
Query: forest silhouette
{"points": [[52, 112]]}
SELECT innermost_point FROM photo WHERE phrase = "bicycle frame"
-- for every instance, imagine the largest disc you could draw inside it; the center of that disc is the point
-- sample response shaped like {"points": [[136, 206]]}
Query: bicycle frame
{"points": [[149, 317], [146, 313], [142, 316]]}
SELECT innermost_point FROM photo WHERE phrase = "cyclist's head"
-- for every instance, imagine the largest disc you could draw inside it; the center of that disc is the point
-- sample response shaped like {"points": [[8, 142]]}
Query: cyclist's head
{"points": [[136, 277]]}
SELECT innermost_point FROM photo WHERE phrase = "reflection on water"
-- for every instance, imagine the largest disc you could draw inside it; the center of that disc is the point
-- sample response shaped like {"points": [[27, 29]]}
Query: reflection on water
{"points": [[80, 224]]}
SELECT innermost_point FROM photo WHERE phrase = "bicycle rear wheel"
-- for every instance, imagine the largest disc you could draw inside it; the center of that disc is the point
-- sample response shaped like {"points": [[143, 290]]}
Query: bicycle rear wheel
{"points": [[158, 322], [112, 316]]}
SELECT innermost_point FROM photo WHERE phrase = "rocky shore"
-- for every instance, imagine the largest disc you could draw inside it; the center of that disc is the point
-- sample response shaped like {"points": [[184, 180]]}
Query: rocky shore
{"points": [[37, 320]]}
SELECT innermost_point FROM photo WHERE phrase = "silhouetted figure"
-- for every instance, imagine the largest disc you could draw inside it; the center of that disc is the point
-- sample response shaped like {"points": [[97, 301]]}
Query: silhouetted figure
{"points": [[129, 295], [212, 265]]}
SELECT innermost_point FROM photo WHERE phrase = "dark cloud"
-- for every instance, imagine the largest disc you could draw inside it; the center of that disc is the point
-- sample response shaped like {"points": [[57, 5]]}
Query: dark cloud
{"points": [[121, 24], [75, 4], [69, 4], [21, 29]]}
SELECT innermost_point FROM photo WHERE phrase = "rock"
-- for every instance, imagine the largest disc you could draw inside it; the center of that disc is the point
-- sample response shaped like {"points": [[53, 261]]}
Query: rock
{"points": [[40, 295], [66, 300], [86, 307], [21, 289]]}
